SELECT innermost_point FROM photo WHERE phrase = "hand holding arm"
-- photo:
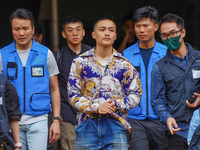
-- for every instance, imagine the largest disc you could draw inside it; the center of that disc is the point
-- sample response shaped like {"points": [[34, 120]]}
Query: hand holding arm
{"points": [[108, 107]]}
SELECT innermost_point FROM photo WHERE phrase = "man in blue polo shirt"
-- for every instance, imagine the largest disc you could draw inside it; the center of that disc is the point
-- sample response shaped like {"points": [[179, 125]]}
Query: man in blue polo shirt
{"points": [[148, 132]]}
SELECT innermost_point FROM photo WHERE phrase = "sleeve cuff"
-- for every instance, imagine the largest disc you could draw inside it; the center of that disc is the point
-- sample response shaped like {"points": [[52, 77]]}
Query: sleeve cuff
{"points": [[94, 107], [166, 117]]}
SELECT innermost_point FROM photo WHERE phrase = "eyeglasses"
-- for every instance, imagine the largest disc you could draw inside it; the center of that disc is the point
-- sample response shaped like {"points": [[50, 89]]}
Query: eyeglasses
{"points": [[171, 35]]}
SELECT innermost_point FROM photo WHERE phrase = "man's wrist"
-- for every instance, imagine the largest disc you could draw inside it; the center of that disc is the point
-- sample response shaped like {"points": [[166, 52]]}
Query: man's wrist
{"points": [[18, 145], [59, 119]]}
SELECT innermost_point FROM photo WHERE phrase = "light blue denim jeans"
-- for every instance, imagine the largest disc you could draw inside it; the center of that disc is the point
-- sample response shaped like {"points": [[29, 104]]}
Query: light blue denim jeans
{"points": [[101, 134], [34, 136]]}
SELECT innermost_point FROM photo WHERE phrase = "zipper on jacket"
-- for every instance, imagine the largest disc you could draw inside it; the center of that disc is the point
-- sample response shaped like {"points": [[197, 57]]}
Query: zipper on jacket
{"points": [[147, 92], [24, 90]]}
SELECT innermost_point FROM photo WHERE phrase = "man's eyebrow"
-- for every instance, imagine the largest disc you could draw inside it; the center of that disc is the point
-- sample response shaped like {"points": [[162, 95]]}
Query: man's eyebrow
{"points": [[141, 23], [73, 28], [105, 27], [169, 31], [102, 27]]}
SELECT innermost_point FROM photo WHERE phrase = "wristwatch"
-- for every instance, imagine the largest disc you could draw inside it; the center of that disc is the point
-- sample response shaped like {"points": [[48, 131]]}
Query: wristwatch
{"points": [[18, 145], [58, 118]]}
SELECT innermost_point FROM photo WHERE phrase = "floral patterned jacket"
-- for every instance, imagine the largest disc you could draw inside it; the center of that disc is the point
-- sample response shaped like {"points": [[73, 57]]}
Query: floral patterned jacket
{"points": [[89, 87]]}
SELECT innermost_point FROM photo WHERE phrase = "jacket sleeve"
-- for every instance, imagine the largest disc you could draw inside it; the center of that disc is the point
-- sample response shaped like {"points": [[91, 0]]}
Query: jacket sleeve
{"points": [[12, 102], [193, 124], [158, 99], [74, 87], [132, 87]]}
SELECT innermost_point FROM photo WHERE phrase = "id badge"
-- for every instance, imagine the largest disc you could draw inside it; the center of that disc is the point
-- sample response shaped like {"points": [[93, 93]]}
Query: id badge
{"points": [[37, 71], [196, 74]]}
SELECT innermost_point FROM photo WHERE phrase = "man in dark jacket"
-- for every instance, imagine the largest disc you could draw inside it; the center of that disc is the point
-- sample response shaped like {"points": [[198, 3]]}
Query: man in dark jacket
{"points": [[175, 78], [10, 115], [73, 32]]}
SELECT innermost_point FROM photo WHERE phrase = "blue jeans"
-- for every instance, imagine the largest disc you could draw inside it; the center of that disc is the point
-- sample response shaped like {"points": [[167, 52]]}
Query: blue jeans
{"points": [[101, 133], [34, 136]]}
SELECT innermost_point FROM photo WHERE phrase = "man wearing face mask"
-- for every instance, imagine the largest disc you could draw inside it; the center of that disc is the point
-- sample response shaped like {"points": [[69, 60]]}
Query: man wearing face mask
{"points": [[175, 78]]}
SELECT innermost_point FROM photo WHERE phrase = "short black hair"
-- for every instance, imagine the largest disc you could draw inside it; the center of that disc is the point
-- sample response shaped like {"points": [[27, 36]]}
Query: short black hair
{"points": [[171, 18], [22, 13], [103, 17], [146, 12], [128, 16], [71, 19], [38, 29]]}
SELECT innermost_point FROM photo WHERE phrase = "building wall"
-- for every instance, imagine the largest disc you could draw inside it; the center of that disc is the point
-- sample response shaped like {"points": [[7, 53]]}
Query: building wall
{"points": [[90, 9]]}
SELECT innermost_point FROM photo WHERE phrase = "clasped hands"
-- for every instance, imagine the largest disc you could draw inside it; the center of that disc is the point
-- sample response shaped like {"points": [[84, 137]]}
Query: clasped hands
{"points": [[108, 107]]}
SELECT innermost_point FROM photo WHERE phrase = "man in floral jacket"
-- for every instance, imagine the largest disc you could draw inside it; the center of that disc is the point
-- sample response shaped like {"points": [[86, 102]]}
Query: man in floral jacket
{"points": [[103, 85]]}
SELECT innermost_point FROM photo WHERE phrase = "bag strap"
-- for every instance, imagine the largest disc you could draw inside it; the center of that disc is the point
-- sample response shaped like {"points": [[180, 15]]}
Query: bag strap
{"points": [[59, 56]]}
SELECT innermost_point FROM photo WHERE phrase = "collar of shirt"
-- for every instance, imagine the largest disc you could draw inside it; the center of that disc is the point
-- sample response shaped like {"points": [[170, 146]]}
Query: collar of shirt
{"points": [[178, 59], [181, 61], [91, 53]]}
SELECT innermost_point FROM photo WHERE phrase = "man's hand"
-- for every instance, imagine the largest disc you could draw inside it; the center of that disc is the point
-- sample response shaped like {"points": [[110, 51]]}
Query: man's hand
{"points": [[196, 102], [171, 123], [108, 107], [128, 34], [54, 131]]}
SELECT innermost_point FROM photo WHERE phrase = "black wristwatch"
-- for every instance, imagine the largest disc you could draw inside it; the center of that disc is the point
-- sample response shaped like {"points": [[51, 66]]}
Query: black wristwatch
{"points": [[58, 118]]}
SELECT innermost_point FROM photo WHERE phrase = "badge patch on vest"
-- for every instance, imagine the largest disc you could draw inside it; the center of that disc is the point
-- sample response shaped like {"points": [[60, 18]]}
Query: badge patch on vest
{"points": [[196, 74], [37, 71]]}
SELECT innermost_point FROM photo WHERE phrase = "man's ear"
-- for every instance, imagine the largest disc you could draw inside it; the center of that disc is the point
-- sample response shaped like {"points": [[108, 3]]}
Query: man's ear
{"points": [[93, 35], [183, 32], [33, 29], [64, 35], [83, 32], [156, 27]]}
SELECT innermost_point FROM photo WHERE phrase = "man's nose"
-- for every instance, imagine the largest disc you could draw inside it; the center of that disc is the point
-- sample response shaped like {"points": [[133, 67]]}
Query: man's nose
{"points": [[75, 32], [141, 29], [21, 32], [107, 32]]}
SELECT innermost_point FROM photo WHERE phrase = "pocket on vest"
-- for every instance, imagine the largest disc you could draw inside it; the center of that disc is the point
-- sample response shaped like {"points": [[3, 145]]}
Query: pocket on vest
{"points": [[40, 101]]}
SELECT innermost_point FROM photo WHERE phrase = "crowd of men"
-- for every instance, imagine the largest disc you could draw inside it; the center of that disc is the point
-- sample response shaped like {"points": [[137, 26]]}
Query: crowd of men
{"points": [[141, 96]]}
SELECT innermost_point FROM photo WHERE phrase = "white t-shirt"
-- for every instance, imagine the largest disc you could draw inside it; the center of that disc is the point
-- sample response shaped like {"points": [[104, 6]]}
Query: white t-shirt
{"points": [[52, 69]]}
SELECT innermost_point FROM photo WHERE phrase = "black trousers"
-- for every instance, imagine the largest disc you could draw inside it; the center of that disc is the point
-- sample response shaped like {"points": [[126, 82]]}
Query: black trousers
{"points": [[176, 142], [148, 135]]}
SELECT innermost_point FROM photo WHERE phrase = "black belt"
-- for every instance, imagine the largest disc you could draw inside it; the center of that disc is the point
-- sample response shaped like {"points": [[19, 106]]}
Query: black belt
{"points": [[94, 116]]}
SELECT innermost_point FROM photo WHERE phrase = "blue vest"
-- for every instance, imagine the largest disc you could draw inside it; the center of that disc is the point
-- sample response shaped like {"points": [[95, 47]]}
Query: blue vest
{"points": [[132, 53], [180, 84], [32, 81], [5, 134]]}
